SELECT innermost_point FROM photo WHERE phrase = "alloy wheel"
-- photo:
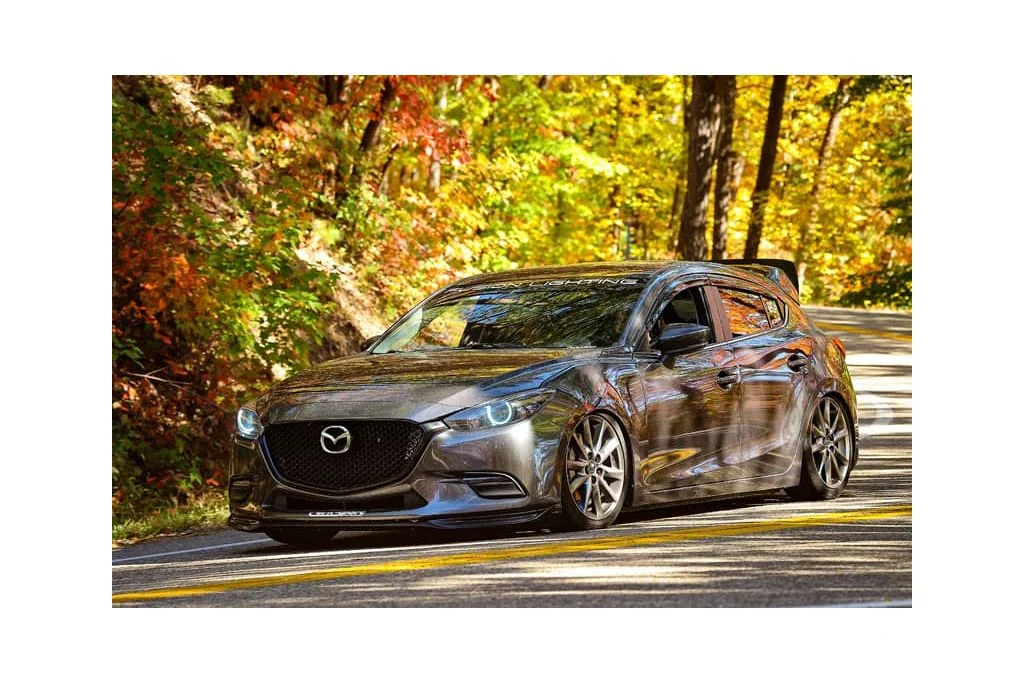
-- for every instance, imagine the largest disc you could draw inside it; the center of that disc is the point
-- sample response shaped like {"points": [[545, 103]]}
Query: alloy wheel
{"points": [[831, 442], [595, 467]]}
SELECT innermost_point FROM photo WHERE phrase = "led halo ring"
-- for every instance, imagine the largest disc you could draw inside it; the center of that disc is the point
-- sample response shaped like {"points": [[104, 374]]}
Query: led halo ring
{"points": [[499, 413], [247, 422]]}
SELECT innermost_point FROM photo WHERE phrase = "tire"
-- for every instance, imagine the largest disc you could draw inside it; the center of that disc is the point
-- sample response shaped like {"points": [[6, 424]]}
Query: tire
{"points": [[596, 460], [302, 538], [827, 452]]}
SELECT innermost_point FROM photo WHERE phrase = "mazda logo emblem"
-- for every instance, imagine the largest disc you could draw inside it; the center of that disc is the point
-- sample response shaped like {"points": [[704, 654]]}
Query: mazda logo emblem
{"points": [[335, 439]]}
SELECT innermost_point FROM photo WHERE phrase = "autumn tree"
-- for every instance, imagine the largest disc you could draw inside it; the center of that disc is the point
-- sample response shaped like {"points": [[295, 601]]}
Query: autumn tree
{"points": [[702, 128], [728, 166], [209, 292], [371, 136], [765, 167], [262, 223], [840, 99], [888, 279]]}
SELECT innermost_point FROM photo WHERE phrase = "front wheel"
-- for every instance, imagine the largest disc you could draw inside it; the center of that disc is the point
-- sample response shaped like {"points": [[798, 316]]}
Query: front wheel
{"points": [[302, 538], [828, 453], [594, 478]]}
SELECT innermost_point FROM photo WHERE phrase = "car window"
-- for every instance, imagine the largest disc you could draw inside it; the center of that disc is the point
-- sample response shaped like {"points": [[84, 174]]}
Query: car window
{"points": [[774, 311], [687, 306], [556, 313], [744, 312]]}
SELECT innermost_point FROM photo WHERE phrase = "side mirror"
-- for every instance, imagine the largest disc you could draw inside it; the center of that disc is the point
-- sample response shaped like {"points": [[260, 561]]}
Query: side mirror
{"points": [[682, 338], [367, 343]]}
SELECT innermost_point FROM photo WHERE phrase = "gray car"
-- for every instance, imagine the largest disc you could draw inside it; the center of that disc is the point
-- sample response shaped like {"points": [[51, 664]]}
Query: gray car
{"points": [[560, 395]]}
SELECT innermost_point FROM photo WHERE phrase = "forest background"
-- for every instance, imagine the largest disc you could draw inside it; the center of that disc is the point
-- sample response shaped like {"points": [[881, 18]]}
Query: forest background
{"points": [[263, 223]]}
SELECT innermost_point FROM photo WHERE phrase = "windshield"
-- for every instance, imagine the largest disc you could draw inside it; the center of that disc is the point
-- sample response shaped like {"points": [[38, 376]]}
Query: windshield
{"points": [[560, 313]]}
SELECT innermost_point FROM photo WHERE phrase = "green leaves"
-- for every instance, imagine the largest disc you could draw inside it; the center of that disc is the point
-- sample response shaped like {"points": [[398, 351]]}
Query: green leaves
{"points": [[238, 201], [209, 292]]}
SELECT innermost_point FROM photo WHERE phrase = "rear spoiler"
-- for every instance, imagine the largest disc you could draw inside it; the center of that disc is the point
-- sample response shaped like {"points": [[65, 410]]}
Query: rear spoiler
{"points": [[787, 267]]}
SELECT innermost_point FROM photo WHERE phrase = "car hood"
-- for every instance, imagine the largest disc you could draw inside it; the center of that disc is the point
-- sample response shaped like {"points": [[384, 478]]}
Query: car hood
{"points": [[419, 386]]}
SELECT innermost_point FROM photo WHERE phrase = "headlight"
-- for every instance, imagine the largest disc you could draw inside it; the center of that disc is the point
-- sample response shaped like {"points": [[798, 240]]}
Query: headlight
{"points": [[247, 422], [498, 413]]}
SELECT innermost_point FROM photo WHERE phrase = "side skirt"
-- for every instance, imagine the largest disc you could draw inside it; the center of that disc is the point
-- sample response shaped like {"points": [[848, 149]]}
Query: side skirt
{"points": [[717, 490]]}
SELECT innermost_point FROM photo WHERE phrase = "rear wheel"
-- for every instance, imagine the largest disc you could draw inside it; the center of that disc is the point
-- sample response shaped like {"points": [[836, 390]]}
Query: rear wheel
{"points": [[828, 453], [594, 478], [302, 538]]}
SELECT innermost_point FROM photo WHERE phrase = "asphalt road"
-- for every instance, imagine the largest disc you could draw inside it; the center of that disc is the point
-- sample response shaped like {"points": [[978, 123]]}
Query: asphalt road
{"points": [[767, 551]]}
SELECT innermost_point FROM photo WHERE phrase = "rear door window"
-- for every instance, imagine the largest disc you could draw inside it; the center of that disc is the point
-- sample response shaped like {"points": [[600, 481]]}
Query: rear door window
{"points": [[745, 312], [774, 311]]}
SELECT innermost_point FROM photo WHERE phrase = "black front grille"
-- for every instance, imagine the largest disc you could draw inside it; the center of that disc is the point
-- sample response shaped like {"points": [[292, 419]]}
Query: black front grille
{"points": [[380, 452]]}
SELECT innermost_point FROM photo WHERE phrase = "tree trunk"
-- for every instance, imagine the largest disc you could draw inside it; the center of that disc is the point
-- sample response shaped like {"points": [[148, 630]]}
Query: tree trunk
{"points": [[434, 177], [371, 134], [615, 196], [370, 139], [434, 174], [331, 89], [677, 201], [727, 182], [729, 167], [840, 101], [765, 166], [384, 187], [677, 195], [334, 86], [692, 243]]}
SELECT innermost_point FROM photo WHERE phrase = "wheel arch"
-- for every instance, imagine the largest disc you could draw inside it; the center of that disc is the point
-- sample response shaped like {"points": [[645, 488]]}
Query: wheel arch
{"points": [[606, 390]]}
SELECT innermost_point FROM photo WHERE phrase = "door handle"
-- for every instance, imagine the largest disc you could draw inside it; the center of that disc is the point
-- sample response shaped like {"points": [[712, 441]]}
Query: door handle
{"points": [[727, 378], [797, 362]]}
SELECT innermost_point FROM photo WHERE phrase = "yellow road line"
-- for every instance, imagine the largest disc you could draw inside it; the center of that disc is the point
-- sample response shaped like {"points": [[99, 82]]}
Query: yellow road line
{"points": [[856, 329], [519, 553]]}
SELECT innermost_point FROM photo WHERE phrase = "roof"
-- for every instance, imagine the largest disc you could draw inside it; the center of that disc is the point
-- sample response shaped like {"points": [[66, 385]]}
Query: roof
{"points": [[640, 270]]}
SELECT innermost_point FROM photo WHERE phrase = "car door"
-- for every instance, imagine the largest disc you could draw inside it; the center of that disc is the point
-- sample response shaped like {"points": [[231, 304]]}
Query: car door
{"points": [[773, 360], [693, 408]]}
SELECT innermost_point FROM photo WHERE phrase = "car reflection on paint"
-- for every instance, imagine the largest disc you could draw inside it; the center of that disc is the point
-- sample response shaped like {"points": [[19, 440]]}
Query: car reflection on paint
{"points": [[558, 395]]}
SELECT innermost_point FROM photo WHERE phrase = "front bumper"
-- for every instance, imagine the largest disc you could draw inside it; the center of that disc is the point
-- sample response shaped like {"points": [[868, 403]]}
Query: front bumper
{"points": [[498, 476]]}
